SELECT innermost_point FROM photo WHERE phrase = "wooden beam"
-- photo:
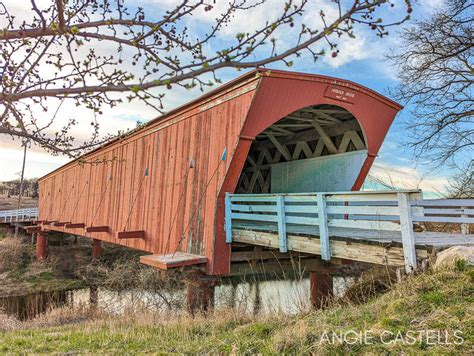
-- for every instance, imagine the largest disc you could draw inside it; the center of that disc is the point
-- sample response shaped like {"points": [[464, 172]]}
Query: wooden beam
{"points": [[335, 111], [97, 229], [75, 226], [245, 256], [322, 114], [309, 135], [326, 139], [60, 223], [300, 118], [281, 130], [326, 116], [283, 150], [172, 260], [302, 146], [297, 265], [48, 222], [280, 205], [323, 228], [292, 126], [33, 229], [346, 139], [318, 150], [138, 234], [357, 141], [228, 219], [251, 161], [353, 250]]}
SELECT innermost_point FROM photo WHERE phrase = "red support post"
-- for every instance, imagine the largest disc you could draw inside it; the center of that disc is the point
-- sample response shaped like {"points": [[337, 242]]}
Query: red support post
{"points": [[199, 298], [321, 289], [199, 293], [41, 243], [96, 248]]}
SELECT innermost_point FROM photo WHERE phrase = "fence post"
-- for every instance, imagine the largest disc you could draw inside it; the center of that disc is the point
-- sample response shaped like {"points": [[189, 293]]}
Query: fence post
{"points": [[323, 228], [406, 229], [228, 219], [280, 206], [464, 226]]}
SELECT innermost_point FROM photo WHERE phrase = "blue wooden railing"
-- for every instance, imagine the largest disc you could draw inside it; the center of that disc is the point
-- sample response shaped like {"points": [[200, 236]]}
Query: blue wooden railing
{"points": [[327, 214]]}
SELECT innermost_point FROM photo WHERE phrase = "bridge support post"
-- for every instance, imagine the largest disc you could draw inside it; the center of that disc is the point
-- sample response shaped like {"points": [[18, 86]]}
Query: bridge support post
{"points": [[199, 293], [41, 246], [96, 248], [321, 289]]}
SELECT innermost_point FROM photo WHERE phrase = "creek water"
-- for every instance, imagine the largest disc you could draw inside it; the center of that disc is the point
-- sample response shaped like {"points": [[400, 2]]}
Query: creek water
{"points": [[258, 297]]}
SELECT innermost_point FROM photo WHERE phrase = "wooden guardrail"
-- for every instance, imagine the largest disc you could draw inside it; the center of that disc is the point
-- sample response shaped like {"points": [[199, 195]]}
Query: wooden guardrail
{"points": [[343, 213], [18, 215]]}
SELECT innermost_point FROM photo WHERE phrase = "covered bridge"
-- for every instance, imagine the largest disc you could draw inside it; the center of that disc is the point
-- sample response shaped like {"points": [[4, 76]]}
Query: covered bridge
{"points": [[162, 188]]}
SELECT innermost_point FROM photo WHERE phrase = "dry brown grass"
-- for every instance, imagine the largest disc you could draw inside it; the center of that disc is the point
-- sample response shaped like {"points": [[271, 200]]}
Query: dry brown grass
{"points": [[14, 254], [371, 283], [8, 203], [8, 323]]}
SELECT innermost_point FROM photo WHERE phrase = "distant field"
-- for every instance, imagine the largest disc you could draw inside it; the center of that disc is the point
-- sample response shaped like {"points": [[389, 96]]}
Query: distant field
{"points": [[11, 202]]}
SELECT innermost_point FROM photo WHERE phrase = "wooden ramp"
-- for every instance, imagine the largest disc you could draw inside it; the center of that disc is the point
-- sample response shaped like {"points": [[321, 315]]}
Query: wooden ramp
{"points": [[173, 260], [374, 227]]}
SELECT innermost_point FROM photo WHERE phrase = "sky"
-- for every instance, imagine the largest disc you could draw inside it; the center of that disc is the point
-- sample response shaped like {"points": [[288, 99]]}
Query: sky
{"points": [[361, 60]]}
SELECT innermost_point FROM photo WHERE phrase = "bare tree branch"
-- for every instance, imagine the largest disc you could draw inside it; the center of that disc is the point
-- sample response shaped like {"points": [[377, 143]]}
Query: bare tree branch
{"points": [[436, 73], [87, 52]]}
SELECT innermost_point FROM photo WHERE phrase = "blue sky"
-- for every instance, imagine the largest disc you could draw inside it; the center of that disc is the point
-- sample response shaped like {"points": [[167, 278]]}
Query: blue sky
{"points": [[360, 60]]}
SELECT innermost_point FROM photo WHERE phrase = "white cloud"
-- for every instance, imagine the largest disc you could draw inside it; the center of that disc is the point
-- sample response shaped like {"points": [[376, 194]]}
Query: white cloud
{"points": [[430, 6], [365, 46], [349, 50], [37, 163], [404, 177]]}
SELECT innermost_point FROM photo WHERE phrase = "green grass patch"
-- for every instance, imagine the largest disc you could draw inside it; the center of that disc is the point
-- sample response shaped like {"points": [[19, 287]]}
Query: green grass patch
{"points": [[3, 234]]}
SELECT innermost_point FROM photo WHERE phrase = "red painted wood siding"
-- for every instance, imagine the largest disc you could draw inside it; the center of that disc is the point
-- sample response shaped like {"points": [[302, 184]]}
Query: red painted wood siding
{"points": [[175, 204]]}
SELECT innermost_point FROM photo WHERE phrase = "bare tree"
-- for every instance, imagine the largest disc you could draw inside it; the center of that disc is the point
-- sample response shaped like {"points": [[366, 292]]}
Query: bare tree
{"points": [[435, 68], [461, 185], [88, 51]]}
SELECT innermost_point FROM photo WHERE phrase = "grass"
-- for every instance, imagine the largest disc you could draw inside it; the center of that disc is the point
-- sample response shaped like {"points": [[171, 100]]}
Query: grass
{"points": [[3, 233], [440, 303], [21, 274]]}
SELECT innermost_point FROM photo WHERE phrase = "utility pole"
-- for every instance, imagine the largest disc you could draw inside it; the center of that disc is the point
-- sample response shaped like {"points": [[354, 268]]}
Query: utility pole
{"points": [[25, 146]]}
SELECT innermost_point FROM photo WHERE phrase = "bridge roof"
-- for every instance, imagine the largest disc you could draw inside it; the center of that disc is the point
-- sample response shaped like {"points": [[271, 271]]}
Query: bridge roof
{"points": [[254, 75]]}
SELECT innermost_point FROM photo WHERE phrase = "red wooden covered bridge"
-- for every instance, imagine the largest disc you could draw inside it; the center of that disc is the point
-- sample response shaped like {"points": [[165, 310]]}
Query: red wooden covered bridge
{"points": [[270, 135]]}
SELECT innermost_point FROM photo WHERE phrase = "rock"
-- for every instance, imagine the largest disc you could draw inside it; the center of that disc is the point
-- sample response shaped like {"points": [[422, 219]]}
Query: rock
{"points": [[447, 258]]}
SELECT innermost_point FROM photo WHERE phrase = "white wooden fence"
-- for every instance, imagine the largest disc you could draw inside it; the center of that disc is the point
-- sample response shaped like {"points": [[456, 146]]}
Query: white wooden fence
{"points": [[18, 215], [374, 215]]}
